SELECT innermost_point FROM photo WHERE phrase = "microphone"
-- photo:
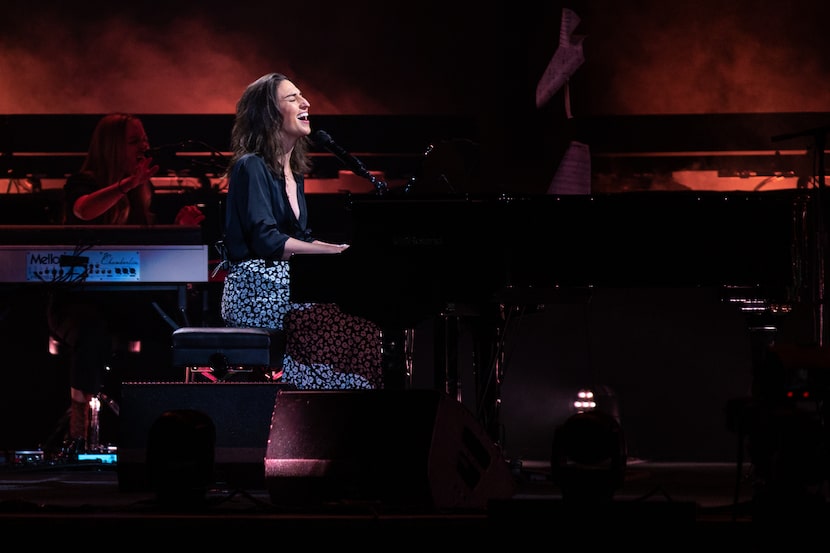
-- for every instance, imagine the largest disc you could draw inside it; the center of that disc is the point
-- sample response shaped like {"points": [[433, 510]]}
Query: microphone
{"points": [[322, 138], [165, 149]]}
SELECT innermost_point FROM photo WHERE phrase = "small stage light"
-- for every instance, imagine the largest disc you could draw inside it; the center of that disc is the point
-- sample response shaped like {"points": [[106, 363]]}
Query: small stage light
{"points": [[585, 401]]}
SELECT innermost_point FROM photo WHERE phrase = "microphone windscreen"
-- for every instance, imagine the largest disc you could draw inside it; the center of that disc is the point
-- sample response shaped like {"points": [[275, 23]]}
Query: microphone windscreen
{"points": [[321, 138]]}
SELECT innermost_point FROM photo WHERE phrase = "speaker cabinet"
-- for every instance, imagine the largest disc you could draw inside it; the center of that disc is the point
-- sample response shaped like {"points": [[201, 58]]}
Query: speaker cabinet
{"points": [[240, 412], [402, 449]]}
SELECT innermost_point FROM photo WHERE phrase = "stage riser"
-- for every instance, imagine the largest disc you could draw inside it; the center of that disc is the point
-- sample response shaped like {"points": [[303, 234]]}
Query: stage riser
{"points": [[393, 448], [241, 413]]}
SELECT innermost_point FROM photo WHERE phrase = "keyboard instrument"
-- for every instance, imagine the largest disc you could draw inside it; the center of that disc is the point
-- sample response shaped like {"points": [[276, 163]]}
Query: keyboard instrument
{"points": [[122, 254]]}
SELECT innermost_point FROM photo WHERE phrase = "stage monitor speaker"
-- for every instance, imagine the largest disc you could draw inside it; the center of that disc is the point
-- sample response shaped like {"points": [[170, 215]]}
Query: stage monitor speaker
{"points": [[401, 449], [240, 412]]}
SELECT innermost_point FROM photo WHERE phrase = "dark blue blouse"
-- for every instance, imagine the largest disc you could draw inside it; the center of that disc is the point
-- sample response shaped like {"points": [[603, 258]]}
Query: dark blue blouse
{"points": [[258, 218]]}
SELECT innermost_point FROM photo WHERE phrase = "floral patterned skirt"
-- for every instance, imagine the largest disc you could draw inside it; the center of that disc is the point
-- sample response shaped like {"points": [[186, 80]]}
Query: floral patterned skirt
{"points": [[326, 349]]}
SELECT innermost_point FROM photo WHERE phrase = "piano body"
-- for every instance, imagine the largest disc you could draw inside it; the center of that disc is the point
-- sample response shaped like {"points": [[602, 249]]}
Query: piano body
{"points": [[417, 258], [411, 257]]}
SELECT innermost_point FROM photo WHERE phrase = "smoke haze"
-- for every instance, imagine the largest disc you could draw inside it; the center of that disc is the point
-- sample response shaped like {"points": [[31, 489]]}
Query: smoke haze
{"points": [[642, 57]]}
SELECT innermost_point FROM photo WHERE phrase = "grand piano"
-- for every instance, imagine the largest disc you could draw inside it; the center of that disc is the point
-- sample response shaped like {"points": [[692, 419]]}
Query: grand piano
{"points": [[414, 258], [411, 257]]}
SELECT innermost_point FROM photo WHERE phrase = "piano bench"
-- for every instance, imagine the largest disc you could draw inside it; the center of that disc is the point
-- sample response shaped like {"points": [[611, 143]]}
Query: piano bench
{"points": [[222, 353]]}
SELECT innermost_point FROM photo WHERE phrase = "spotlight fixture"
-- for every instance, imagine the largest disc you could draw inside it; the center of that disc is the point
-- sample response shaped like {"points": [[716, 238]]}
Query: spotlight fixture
{"points": [[584, 401]]}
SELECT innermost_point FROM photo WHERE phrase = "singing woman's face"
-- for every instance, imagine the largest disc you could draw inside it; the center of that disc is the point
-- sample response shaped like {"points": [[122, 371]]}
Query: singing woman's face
{"points": [[294, 109]]}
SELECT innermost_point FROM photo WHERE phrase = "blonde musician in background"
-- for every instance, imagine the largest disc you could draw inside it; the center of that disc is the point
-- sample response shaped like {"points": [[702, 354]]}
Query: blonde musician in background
{"points": [[113, 187]]}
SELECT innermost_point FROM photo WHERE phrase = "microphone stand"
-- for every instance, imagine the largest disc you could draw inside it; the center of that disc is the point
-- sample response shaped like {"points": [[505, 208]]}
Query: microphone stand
{"points": [[819, 135]]}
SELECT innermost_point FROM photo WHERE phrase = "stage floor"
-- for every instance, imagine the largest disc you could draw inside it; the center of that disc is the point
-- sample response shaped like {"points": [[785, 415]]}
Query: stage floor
{"points": [[660, 506]]}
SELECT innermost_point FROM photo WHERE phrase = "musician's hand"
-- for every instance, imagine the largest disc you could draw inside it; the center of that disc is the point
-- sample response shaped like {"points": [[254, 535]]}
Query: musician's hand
{"points": [[141, 174], [145, 170], [189, 215]]}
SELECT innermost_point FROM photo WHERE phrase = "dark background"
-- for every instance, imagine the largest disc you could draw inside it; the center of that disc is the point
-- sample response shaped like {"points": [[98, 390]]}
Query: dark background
{"points": [[642, 57]]}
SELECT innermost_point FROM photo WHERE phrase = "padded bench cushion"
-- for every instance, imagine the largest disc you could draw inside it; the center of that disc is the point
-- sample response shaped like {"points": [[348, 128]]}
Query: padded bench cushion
{"points": [[198, 346]]}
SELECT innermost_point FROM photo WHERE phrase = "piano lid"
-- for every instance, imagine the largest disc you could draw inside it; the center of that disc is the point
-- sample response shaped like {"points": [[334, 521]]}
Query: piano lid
{"points": [[413, 257]]}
